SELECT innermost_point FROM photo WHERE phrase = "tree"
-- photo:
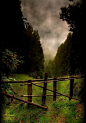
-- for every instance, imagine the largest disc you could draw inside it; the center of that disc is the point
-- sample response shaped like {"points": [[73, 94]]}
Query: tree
{"points": [[19, 36], [62, 58], [32, 52], [49, 68], [13, 26], [74, 15]]}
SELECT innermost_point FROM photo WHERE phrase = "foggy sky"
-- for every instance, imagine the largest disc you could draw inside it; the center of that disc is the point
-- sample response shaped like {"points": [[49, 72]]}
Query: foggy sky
{"points": [[44, 17]]}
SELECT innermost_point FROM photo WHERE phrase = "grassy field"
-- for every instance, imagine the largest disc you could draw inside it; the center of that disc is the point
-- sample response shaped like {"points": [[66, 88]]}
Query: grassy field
{"points": [[60, 111]]}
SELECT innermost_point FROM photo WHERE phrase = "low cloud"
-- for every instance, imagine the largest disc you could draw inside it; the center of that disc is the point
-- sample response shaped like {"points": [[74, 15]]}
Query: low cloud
{"points": [[44, 17]]}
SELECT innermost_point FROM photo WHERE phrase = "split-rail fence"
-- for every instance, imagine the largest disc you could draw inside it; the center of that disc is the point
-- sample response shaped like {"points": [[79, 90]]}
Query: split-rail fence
{"points": [[46, 80]]}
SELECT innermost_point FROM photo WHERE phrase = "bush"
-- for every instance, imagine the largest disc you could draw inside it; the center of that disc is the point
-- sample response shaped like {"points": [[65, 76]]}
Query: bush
{"points": [[10, 61]]}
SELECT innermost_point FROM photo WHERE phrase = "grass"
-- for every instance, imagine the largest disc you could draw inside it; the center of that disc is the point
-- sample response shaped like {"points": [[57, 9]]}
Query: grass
{"points": [[61, 110]]}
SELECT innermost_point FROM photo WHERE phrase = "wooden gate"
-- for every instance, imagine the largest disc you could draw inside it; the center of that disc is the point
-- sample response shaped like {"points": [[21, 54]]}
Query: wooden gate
{"points": [[46, 80]]}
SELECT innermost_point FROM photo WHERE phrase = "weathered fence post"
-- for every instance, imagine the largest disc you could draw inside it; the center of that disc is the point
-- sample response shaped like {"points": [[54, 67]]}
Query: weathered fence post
{"points": [[29, 90], [71, 88], [44, 89], [54, 89]]}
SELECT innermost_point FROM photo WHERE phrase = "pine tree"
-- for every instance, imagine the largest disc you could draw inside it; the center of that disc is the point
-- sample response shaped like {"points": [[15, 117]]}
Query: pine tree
{"points": [[32, 52], [62, 58], [12, 25], [74, 15]]}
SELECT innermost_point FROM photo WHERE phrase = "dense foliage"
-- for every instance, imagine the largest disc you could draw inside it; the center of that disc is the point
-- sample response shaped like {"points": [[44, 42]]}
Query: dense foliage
{"points": [[70, 58], [20, 37], [62, 58], [13, 26], [32, 52], [49, 68], [60, 65], [10, 61], [74, 15]]}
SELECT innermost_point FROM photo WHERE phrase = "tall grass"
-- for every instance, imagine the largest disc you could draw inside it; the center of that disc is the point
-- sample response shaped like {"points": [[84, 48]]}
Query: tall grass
{"points": [[61, 110]]}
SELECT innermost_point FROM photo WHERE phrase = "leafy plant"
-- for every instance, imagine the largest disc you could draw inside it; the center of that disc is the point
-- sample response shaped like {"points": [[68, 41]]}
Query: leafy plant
{"points": [[10, 61]]}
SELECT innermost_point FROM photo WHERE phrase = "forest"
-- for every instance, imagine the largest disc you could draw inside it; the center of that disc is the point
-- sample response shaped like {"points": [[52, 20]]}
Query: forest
{"points": [[22, 52], [21, 49], [22, 57], [70, 56], [61, 64]]}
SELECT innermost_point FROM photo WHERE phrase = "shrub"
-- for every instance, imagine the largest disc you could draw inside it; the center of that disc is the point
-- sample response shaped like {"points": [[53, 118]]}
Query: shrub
{"points": [[10, 61]]}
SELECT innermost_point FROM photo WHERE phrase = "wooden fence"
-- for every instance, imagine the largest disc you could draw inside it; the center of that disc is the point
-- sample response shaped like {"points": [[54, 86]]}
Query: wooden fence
{"points": [[29, 84]]}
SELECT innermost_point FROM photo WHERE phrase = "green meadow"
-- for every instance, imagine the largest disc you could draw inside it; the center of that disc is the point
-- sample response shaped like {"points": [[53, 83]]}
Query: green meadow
{"points": [[60, 111]]}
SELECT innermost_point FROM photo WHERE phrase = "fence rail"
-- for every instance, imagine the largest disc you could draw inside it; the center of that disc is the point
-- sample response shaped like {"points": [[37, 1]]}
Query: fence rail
{"points": [[46, 80], [42, 80]]}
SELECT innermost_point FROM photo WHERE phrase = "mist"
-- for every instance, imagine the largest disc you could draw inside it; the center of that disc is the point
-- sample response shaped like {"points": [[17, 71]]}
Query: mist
{"points": [[44, 16]]}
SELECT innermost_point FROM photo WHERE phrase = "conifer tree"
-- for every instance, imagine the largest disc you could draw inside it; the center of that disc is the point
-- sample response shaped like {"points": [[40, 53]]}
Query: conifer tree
{"points": [[74, 15], [62, 58], [12, 25], [32, 52]]}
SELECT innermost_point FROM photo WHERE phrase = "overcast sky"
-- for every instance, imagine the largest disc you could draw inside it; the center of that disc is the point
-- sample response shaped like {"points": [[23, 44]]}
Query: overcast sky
{"points": [[44, 17]]}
